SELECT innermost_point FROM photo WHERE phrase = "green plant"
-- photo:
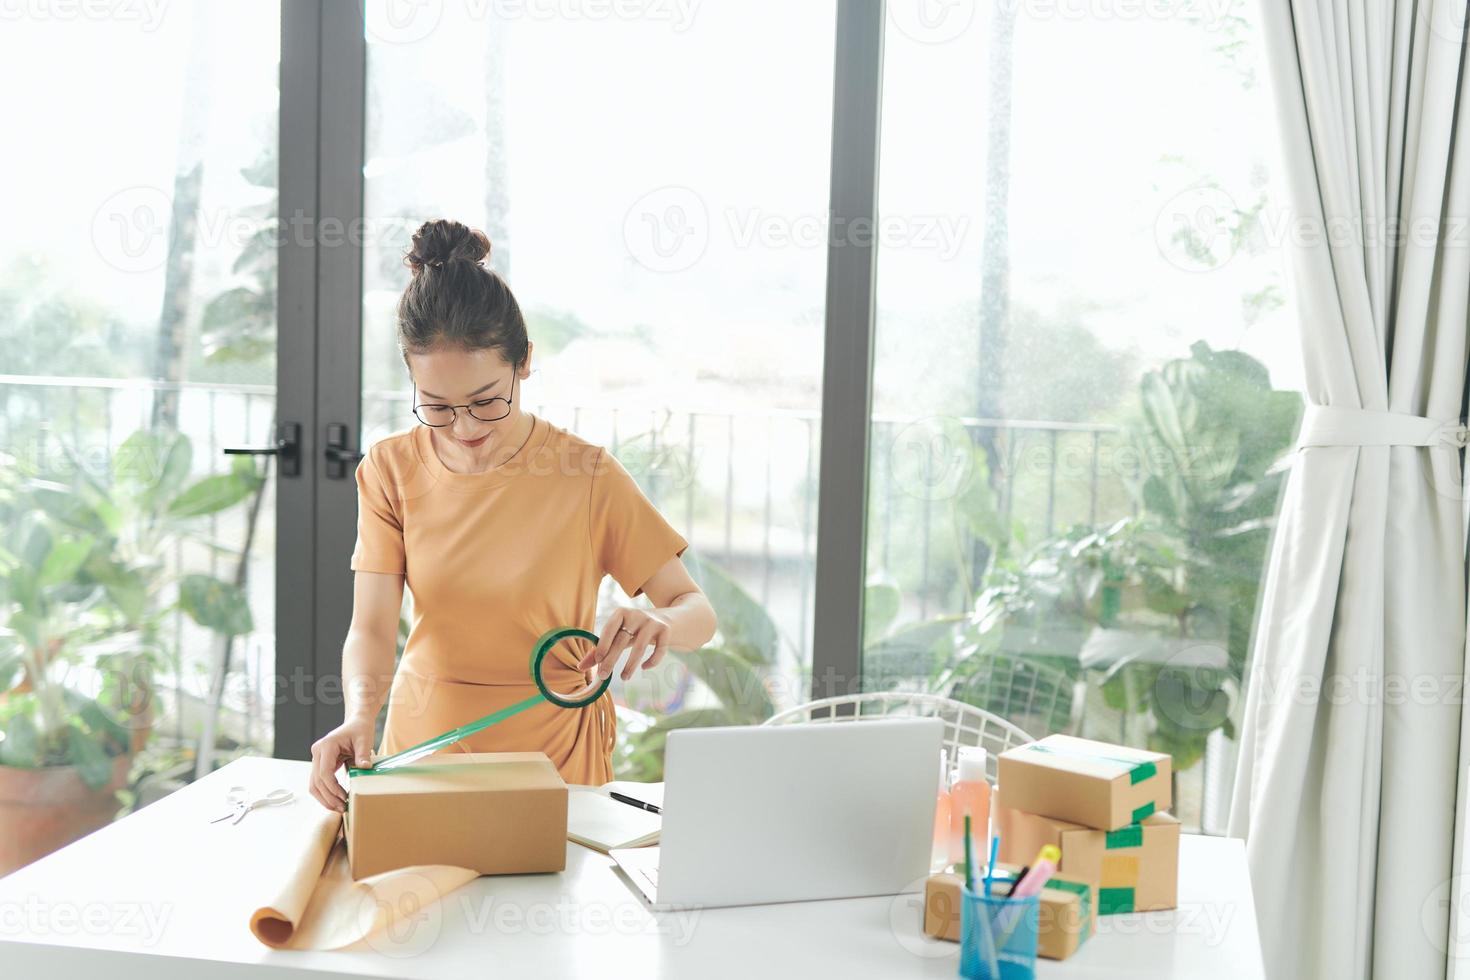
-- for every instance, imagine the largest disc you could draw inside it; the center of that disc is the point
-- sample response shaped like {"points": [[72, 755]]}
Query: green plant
{"points": [[238, 325], [895, 654], [1210, 432], [1207, 435], [85, 589], [732, 671], [1037, 614]]}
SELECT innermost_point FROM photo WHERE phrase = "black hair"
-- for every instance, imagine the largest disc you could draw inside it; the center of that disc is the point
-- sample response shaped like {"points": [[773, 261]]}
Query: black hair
{"points": [[454, 299]]}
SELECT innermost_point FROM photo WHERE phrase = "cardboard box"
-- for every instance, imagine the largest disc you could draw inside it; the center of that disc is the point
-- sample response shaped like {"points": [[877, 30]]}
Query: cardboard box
{"points": [[1092, 783], [493, 812], [1065, 917], [1136, 868]]}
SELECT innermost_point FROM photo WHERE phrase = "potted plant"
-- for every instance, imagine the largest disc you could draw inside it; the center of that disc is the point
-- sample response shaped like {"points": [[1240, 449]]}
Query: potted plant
{"points": [[1158, 607], [84, 592], [1209, 435]]}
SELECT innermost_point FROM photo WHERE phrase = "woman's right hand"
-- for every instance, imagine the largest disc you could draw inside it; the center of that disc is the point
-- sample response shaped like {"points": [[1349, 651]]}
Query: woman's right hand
{"points": [[350, 742]]}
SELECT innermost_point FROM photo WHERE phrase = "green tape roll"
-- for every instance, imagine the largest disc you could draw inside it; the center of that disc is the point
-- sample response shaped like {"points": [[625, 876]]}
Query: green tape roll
{"points": [[543, 646]]}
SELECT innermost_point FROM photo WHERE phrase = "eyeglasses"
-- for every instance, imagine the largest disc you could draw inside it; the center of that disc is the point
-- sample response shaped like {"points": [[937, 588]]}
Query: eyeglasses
{"points": [[485, 410]]}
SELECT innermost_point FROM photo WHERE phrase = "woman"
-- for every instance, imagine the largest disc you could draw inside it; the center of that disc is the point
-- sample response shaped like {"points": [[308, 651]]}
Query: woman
{"points": [[503, 525]]}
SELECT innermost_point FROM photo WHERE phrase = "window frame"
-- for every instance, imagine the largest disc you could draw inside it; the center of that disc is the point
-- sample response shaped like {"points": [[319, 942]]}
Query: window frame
{"points": [[323, 90]]}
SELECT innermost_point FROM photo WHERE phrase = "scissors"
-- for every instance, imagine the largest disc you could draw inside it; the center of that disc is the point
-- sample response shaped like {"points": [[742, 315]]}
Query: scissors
{"points": [[241, 804]]}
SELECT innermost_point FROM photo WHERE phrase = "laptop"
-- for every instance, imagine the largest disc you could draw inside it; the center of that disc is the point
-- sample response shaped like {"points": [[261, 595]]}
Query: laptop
{"points": [[790, 813]]}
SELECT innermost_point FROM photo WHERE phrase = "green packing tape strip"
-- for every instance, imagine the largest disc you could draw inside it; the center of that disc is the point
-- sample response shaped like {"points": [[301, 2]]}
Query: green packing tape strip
{"points": [[1143, 812], [1083, 891], [538, 654], [1078, 887], [1111, 901], [1137, 771], [1130, 836]]}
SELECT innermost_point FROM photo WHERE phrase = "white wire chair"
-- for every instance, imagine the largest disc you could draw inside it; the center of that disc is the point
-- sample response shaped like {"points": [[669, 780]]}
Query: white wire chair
{"points": [[1024, 692], [964, 724]]}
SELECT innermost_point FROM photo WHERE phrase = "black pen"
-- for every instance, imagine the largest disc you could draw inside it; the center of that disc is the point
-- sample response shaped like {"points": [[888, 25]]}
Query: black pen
{"points": [[632, 802], [1017, 880]]}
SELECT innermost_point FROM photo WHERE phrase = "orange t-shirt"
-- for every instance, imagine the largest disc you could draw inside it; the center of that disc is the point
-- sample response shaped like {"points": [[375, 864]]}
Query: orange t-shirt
{"points": [[493, 560]]}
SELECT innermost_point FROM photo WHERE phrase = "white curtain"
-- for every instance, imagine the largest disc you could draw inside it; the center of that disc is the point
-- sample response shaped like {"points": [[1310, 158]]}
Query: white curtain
{"points": [[1347, 789]]}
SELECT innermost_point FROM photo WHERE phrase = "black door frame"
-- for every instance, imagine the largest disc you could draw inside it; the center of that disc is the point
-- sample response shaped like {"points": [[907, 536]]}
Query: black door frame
{"points": [[319, 356]]}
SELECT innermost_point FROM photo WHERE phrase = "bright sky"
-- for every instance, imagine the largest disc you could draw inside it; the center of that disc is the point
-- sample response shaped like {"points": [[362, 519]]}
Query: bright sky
{"points": [[711, 118], [100, 108]]}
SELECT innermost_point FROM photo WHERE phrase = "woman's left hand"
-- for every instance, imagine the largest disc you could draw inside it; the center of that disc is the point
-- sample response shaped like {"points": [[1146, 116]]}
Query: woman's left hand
{"points": [[629, 629]]}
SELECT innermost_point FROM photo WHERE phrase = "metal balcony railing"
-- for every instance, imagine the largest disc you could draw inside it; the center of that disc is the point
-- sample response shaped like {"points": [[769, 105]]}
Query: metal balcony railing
{"points": [[741, 486]]}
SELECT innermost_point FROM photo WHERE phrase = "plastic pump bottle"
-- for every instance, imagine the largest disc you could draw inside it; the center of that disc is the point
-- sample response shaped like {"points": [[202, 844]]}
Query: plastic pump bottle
{"points": [[940, 856], [970, 794]]}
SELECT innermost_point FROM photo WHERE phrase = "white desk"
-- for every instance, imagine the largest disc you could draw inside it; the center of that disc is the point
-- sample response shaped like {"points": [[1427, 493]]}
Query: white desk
{"points": [[133, 900]]}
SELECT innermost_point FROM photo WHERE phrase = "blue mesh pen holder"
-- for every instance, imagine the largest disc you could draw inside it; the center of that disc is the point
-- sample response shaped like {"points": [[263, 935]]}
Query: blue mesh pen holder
{"points": [[998, 936]]}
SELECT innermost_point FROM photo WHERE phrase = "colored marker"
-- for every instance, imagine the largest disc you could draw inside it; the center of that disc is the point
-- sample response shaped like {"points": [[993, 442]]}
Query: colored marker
{"points": [[1028, 883], [969, 857], [1041, 871], [990, 868]]}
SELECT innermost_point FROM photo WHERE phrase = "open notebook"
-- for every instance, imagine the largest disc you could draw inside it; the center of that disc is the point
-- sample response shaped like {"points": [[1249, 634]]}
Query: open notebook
{"points": [[597, 821]]}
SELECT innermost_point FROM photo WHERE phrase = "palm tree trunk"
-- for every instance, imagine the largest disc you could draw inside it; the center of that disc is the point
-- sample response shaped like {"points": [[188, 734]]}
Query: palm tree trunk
{"points": [[497, 190], [172, 346], [995, 261]]}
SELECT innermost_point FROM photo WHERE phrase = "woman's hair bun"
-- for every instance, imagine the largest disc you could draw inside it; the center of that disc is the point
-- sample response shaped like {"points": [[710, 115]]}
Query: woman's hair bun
{"points": [[461, 304], [440, 241]]}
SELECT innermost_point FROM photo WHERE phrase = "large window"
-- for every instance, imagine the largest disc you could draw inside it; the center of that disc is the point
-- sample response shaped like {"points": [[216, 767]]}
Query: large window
{"points": [[137, 341], [1084, 372], [654, 188], [1083, 368]]}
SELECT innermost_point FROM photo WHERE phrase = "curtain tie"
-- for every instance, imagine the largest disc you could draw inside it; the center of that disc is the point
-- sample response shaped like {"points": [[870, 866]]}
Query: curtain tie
{"points": [[1329, 425]]}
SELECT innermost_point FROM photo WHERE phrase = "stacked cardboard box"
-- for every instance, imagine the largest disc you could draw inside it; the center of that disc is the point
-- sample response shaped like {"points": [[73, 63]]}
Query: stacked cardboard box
{"points": [[1067, 910], [1104, 806]]}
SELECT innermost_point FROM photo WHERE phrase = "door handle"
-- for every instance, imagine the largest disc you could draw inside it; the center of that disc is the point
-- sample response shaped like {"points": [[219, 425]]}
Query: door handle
{"points": [[287, 449], [338, 452]]}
